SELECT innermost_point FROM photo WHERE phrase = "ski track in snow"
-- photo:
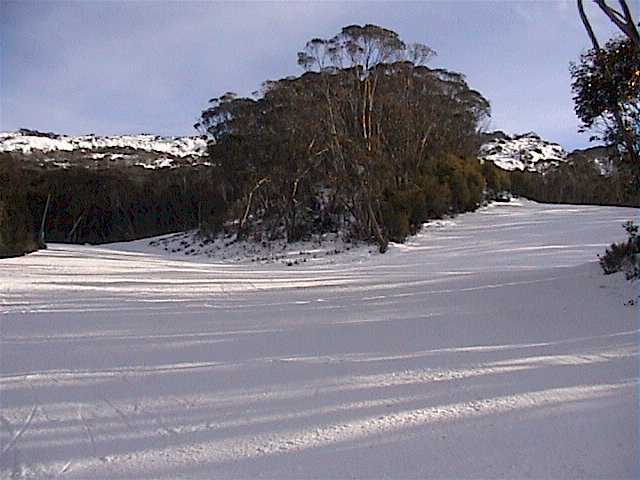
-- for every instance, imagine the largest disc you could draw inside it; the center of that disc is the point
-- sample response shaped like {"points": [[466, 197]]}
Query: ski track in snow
{"points": [[487, 346]]}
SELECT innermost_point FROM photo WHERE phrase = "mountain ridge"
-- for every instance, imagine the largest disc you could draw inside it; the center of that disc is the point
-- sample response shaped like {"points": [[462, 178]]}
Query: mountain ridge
{"points": [[524, 152]]}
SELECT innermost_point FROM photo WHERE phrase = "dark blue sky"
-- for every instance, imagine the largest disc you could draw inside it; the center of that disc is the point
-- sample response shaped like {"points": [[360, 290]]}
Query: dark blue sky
{"points": [[133, 67]]}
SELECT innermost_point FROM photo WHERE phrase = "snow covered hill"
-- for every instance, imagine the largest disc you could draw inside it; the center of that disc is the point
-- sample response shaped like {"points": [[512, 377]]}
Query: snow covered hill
{"points": [[28, 141], [521, 152], [488, 346], [149, 151]]}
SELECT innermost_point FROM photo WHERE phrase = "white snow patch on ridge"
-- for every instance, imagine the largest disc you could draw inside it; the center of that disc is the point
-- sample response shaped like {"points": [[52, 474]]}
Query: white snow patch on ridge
{"points": [[31, 142], [522, 152]]}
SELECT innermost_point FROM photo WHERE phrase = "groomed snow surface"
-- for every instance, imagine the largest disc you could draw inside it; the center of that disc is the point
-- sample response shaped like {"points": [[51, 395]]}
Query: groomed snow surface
{"points": [[487, 346]]}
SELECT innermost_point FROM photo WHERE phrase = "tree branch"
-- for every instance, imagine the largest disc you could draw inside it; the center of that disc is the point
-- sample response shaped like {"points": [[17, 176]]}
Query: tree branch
{"points": [[627, 26], [587, 25]]}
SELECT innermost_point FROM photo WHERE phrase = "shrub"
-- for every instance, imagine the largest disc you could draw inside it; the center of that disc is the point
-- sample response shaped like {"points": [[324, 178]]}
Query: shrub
{"points": [[437, 197], [624, 257]]}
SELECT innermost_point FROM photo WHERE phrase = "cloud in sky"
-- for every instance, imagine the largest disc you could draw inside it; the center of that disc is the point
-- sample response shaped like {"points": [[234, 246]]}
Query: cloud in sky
{"points": [[129, 67]]}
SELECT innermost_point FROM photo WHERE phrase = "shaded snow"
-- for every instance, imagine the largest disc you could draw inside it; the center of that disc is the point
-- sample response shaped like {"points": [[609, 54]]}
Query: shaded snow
{"points": [[320, 249], [488, 346]]}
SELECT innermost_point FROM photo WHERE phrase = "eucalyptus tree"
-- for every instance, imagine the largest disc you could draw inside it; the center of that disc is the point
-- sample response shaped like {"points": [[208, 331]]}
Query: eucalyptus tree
{"points": [[606, 88], [360, 141]]}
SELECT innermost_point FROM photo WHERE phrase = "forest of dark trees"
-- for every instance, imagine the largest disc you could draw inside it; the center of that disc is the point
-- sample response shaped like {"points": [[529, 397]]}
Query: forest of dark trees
{"points": [[97, 206], [576, 183], [18, 231]]}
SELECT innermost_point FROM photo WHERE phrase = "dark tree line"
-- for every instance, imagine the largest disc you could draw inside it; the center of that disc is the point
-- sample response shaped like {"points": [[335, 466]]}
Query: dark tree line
{"points": [[18, 230], [98, 206], [576, 183], [120, 204], [367, 139]]}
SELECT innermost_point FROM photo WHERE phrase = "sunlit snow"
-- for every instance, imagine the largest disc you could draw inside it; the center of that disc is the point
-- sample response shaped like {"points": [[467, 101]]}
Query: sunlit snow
{"points": [[523, 152]]}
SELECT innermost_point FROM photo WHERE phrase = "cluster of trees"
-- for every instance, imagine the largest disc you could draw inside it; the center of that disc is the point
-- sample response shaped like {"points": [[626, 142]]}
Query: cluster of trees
{"points": [[98, 206], [579, 182], [368, 139]]}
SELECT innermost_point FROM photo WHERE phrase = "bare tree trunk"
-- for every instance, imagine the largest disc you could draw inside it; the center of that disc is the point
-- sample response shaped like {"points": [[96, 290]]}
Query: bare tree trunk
{"points": [[383, 243], [587, 25], [75, 226], [243, 221], [44, 219], [627, 138]]}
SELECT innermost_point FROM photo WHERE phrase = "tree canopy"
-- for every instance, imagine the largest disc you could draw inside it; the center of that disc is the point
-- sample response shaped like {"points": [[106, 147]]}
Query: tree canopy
{"points": [[368, 138], [606, 88]]}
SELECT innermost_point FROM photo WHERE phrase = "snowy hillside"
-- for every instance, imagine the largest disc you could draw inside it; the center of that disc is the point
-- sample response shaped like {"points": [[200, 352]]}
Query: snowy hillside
{"points": [[49, 150], [488, 346], [521, 152], [27, 141]]}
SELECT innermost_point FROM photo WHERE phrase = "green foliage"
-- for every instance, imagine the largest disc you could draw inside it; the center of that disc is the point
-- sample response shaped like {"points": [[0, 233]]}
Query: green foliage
{"points": [[625, 256], [437, 196], [606, 88], [403, 213], [496, 180], [395, 216]]}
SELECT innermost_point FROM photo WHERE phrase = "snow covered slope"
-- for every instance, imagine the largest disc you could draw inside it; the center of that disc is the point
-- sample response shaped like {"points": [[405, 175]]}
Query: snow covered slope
{"points": [[50, 150], [490, 346], [521, 152], [28, 141]]}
